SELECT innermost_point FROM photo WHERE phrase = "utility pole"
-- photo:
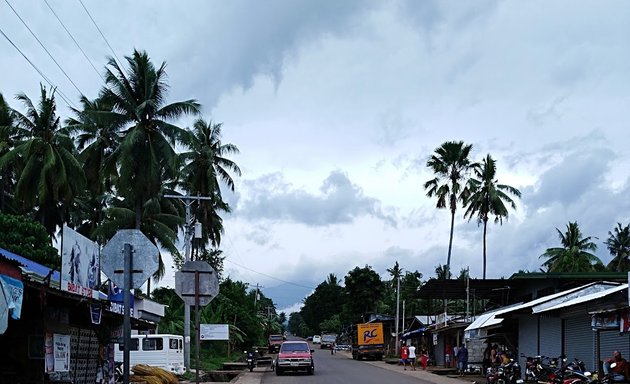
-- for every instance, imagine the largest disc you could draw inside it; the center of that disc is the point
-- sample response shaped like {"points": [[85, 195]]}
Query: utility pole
{"points": [[467, 293], [188, 201], [403, 316], [397, 311]]}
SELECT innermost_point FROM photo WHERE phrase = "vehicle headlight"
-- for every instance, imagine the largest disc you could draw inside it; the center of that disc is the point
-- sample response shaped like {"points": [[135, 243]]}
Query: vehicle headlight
{"points": [[283, 360]]}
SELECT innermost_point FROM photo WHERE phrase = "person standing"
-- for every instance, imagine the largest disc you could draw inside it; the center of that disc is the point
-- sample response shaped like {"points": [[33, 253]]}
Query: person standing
{"points": [[404, 355], [448, 353], [424, 352], [412, 356], [462, 359], [487, 358]]}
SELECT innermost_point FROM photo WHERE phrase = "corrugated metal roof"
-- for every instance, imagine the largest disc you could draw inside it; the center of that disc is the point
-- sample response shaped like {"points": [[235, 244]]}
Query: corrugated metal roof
{"points": [[31, 266], [547, 298], [581, 299], [489, 319]]}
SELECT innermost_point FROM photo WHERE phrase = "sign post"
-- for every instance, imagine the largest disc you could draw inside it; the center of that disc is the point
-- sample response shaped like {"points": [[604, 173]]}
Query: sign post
{"points": [[197, 284], [124, 272]]}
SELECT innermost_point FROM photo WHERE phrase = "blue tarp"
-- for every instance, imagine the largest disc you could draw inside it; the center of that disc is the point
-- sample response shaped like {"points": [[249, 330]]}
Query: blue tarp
{"points": [[30, 265]]}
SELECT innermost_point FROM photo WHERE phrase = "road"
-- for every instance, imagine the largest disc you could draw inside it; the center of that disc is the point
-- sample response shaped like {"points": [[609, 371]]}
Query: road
{"points": [[339, 368]]}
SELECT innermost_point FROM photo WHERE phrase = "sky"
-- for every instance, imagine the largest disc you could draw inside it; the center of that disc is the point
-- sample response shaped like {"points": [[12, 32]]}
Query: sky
{"points": [[337, 106]]}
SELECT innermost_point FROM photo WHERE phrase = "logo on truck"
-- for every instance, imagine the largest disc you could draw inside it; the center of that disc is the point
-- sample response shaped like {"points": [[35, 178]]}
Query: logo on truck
{"points": [[370, 334]]}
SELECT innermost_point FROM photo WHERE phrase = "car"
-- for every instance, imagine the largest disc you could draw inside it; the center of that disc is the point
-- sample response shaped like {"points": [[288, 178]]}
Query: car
{"points": [[310, 338], [295, 356], [317, 339]]}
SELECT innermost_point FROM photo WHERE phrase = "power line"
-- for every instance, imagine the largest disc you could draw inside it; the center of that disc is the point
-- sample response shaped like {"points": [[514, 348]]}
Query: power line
{"points": [[63, 96], [75, 41], [43, 46], [271, 277], [99, 31]]}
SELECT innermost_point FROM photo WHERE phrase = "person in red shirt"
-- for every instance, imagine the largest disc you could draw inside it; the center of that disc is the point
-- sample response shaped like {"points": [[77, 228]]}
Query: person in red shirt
{"points": [[404, 355], [448, 354], [620, 371]]}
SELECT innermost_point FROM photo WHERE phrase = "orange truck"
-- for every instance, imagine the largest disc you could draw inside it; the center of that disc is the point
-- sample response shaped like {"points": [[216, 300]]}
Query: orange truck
{"points": [[368, 341]]}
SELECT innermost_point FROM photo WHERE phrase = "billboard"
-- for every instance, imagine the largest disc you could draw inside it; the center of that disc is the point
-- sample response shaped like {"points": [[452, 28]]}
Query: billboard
{"points": [[80, 264]]}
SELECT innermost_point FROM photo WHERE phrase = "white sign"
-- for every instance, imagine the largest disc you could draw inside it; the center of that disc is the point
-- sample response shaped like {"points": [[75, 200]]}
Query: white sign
{"points": [[214, 332], [80, 264], [61, 351]]}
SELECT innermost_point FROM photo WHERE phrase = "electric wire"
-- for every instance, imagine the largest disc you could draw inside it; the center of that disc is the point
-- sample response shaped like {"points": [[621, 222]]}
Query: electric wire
{"points": [[99, 31], [269, 276], [75, 41], [61, 94], [43, 46]]}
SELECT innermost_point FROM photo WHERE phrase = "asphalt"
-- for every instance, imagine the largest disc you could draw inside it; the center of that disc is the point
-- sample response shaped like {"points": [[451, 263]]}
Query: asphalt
{"points": [[429, 376]]}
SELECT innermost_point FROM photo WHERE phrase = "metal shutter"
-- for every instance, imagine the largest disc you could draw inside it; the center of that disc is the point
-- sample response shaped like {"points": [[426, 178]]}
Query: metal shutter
{"points": [[610, 341], [579, 340], [550, 336], [527, 340]]}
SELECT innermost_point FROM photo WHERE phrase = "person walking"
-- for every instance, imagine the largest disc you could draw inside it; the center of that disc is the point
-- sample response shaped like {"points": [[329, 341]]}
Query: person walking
{"points": [[404, 355], [425, 356], [412, 356], [462, 359]]}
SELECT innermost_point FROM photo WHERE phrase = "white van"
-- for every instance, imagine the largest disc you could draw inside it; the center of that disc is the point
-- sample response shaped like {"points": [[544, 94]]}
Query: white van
{"points": [[164, 351]]}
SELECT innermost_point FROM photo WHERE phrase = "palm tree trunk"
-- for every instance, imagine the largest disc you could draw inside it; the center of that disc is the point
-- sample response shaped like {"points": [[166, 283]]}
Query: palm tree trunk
{"points": [[450, 245], [485, 226]]}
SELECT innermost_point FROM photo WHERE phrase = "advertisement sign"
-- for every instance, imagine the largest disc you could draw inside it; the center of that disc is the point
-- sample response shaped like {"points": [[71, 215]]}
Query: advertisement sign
{"points": [[370, 333], [214, 332], [80, 264], [117, 300], [606, 321], [61, 348]]}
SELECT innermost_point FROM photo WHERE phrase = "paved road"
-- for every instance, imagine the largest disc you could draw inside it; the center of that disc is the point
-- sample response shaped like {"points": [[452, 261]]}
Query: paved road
{"points": [[339, 368]]}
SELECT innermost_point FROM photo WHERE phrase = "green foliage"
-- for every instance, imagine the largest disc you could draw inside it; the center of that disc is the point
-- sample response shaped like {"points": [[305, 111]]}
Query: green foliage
{"points": [[29, 239], [618, 244], [326, 301], [573, 255], [364, 289]]}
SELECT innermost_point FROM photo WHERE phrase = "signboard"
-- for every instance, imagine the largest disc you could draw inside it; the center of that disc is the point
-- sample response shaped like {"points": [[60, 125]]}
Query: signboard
{"points": [[370, 333], [606, 321], [214, 332], [80, 264], [117, 300]]}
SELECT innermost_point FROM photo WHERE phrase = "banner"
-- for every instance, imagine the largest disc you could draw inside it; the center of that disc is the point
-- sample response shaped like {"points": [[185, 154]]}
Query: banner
{"points": [[61, 348], [80, 264], [14, 291]]}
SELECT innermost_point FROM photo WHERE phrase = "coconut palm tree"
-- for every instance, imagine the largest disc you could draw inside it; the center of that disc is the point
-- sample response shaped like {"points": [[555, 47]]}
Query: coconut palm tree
{"points": [[145, 157], [49, 175], [451, 164], [7, 133], [207, 166], [618, 243], [97, 131], [488, 198], [574, 255]]}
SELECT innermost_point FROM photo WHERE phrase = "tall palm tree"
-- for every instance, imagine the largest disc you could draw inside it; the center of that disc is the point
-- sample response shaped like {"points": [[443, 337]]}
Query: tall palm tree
{"points": [[488, 198], [332, 279], [50, 177], [7, 133], [618, 243], [97, 135], [574, 255], [146, 157], [451, 164], [207, 166]]}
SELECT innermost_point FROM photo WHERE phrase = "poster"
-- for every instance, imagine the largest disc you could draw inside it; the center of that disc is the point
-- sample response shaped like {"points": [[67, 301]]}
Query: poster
{"points": [[13, 291], [80, 264], [48, 352], [61, 350]]}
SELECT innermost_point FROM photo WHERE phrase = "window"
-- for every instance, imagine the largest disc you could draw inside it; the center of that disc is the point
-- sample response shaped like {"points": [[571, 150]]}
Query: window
{"points": [[132, 347], [294, 347], [152, 344], [173, 344]]}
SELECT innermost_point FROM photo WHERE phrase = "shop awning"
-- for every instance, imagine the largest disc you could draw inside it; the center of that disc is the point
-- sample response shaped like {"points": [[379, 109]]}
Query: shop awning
{"points": [[413, 333], [490, 318], [581, 299]]}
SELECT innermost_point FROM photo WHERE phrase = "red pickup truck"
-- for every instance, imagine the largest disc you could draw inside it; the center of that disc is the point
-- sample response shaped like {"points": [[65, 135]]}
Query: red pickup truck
{"points": [[274, 343]]}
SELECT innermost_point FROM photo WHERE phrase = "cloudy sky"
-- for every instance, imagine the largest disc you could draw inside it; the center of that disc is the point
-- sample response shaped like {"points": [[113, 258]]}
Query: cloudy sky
{"points": [[336, 107]]}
